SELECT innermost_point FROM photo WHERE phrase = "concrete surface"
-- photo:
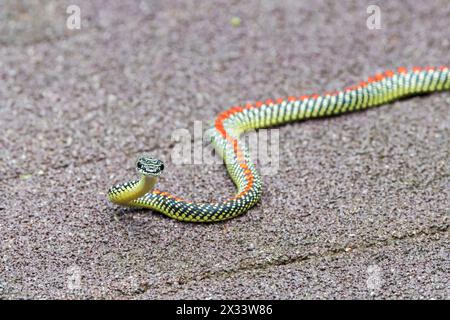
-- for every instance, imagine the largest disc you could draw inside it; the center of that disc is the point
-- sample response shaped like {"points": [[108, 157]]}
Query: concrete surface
{"points": [[359, 207]]}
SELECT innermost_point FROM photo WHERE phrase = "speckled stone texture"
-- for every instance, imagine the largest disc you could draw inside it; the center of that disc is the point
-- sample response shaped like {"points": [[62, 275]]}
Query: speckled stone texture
{"points": [[359, 207]]}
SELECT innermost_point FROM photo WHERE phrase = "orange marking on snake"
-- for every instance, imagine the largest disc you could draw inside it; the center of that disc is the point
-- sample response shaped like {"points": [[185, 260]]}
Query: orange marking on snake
{"points": [[379, 76], [402, 70], [389, 73]]}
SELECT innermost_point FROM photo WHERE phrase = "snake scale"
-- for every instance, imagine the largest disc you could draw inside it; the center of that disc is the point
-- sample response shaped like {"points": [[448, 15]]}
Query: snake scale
{"points": [[229, 125]]}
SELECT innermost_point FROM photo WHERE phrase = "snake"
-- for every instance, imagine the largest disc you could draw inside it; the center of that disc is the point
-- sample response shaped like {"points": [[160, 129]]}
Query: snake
{"points": [[228, 126]]}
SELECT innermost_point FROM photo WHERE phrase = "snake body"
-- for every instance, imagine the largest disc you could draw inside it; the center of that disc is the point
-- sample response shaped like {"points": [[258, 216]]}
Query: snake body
{"points": [[229, 125]]}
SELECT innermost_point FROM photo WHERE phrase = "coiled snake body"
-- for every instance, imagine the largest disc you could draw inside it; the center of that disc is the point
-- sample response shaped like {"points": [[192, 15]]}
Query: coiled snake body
{"points": [[229, 125]]}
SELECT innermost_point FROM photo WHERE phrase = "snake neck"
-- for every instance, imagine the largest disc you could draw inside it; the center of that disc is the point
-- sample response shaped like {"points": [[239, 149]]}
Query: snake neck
{"points": [[125, 193]]}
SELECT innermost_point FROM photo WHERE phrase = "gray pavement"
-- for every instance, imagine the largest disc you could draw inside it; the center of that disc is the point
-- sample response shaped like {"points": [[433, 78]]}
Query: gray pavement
{"points": [[359, 207]]}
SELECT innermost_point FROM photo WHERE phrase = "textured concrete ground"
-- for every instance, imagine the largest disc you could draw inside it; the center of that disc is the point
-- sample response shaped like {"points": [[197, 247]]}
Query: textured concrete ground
{"points": [[359, 207]]}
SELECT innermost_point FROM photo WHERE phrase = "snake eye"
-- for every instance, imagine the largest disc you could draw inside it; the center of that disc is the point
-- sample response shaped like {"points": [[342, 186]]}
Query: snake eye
{"points": [[149, 166]]}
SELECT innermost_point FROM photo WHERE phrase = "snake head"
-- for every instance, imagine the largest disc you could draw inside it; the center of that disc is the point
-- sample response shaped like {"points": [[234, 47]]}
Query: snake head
{"points": [[149, 166]]}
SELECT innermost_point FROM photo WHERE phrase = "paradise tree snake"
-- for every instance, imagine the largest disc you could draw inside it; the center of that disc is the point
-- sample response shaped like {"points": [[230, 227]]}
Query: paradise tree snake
{"points": [[229, 125]]}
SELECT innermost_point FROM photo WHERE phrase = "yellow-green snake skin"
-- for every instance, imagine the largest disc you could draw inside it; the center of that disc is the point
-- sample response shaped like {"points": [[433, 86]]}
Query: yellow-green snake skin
{"points": [[229, 125]]}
